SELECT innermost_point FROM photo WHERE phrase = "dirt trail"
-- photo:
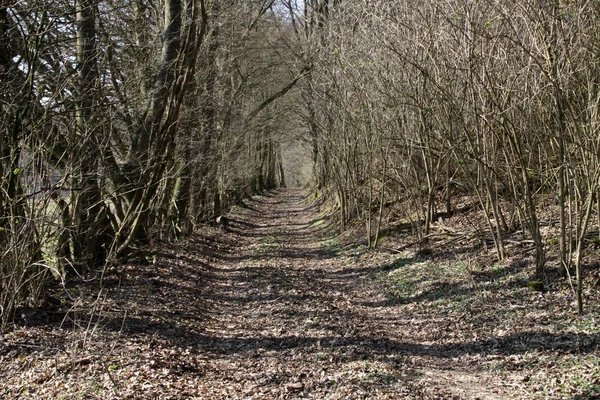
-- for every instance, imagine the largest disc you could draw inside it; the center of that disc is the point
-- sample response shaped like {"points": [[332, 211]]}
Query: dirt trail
{"points": [[292, 316], [273, 308]]}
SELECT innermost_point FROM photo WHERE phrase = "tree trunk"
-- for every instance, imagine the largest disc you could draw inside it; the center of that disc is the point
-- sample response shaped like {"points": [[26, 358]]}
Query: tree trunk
{"points": [[147, 158], [88, 249], [151, 124], [280, 166]]}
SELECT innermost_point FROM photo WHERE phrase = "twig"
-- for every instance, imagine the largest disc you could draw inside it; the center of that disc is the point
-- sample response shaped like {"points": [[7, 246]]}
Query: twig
{"points": [[431, 235], [74, 363], [33, 346], [112, 379]]}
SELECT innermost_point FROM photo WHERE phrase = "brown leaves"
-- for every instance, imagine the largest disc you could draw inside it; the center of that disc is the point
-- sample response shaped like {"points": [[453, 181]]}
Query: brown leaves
{"points": [[294, 387], [270, 313]]}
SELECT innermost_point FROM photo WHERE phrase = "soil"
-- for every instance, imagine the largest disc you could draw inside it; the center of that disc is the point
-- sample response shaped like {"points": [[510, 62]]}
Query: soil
{"points": [[274, 305]]}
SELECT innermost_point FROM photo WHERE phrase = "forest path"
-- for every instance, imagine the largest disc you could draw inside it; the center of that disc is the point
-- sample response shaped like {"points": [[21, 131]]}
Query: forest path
{"points": [[293, 316], [274, 307]]}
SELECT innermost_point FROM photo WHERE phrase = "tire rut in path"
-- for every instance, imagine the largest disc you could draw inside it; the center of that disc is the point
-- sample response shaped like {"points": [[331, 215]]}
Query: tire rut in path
{"points": [[291, 317]]}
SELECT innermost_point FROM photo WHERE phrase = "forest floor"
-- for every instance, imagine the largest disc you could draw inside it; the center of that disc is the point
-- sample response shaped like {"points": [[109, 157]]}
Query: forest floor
{"points": [[275, 306]]}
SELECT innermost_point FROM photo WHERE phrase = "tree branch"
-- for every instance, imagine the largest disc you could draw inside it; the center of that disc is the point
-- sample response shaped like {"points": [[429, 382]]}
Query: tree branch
{"points": [[279, 94]]}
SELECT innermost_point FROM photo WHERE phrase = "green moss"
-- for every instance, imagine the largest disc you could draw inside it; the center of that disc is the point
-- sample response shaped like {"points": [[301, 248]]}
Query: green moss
{"points": [[318, 222], [382, 238]]}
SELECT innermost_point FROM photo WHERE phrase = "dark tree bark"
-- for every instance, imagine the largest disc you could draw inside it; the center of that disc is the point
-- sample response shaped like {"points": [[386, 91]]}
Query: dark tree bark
{"points": [[87, 211]]}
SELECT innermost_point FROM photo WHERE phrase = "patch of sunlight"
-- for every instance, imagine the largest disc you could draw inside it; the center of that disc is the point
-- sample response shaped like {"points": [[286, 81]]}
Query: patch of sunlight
{"points": [[317, 222]]}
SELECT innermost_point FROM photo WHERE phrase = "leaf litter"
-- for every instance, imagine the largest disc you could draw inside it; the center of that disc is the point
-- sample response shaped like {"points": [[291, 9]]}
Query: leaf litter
{"points": [[278, 307]]}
